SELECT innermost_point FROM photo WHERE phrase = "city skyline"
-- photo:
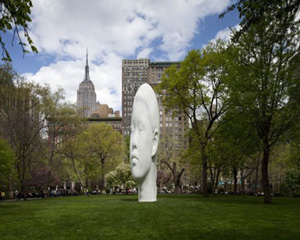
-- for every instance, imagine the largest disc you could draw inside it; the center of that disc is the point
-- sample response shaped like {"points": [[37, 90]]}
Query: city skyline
{"points": [[114, 30]]}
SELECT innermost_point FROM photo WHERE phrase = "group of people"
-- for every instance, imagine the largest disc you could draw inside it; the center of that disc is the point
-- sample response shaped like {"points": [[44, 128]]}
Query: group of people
{"points": [[3, 196]]}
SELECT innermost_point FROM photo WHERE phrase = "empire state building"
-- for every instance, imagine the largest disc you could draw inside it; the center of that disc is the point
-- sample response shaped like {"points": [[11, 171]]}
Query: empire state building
{"points": [[86, 95]]}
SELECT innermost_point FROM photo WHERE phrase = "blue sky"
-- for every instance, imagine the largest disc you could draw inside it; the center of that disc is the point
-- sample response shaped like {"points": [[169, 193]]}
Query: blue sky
{"points": [[162, 30]]}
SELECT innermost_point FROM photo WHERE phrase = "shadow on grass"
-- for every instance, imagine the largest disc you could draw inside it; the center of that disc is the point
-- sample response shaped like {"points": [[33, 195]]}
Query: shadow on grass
{"points": [[241, 200], [8, 206], [129, 200]]}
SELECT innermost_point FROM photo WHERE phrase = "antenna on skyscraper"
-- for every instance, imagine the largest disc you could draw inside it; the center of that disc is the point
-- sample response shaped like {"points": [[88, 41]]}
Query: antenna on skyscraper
{"points": [[87, 55]]}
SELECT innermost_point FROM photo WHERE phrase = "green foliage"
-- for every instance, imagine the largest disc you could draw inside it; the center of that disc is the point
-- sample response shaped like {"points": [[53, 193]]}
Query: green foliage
{"points": [[127, 149], [25, 108], [104, 143], [63, 123], [291, 184], [97, 150], [235, 144], [254, 12], [120, 176], [7, 75], [7, 160], [264, 81], [199, 89], [15, 16]]}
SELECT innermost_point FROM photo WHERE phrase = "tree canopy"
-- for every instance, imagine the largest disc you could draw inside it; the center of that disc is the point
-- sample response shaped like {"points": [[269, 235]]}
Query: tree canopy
{"points": [[263, 86], [198, 89]]}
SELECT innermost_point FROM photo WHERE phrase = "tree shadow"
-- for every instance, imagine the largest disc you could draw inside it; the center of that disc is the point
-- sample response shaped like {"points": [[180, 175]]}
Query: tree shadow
{"points": [[8, 205], [129, 200]]}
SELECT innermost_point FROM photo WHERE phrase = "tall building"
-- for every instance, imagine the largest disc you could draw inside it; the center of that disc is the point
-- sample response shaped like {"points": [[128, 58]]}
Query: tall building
{"points": [[86, 95], [173, 123], [134, 74]]}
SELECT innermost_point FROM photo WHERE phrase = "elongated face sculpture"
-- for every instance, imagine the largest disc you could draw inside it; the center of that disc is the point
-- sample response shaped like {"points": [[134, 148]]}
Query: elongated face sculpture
{"points": [[144, 142], [141, 141]]}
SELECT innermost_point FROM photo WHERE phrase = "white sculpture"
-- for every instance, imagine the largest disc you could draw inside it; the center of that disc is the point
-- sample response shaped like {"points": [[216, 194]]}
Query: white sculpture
{"points": [[144, 142]]}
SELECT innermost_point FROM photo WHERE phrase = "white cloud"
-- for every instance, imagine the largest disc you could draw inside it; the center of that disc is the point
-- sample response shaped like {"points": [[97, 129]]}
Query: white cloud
{"points": [[226, 33], [112, 30], [145, 53], [68, 75]]}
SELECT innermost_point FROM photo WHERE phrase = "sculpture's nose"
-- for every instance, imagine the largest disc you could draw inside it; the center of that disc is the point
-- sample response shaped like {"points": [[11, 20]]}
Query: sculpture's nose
{"points": [[133, 140]]}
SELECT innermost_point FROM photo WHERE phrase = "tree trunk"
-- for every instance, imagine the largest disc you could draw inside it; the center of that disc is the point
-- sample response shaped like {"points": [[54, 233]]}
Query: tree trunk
{"points": [[212, 179], [243, 184], [22, 192], [77, 173], [177, 186], [265, 176], [102, 182], [217, 179], [204, 177], [234, 180], [176, 178], [256, 180]]}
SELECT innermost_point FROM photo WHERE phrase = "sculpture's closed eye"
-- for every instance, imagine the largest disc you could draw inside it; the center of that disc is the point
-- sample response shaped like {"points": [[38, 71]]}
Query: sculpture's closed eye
{"points": [[141, 127]]}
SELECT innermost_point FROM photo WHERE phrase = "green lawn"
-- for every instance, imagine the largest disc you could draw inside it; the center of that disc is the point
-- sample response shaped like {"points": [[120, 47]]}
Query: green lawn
{"points": [[171, 217]]}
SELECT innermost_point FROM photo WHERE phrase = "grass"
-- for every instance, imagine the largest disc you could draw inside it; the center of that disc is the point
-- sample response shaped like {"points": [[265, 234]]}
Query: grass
{"points": [[171, 217]]}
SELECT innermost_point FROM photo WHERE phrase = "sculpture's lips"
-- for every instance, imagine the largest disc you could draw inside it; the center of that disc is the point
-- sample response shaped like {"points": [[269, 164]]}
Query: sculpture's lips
{"points": [[134, 161]]}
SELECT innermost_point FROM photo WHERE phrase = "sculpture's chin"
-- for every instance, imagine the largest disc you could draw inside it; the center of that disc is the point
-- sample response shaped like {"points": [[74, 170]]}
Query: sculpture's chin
{"points": [[137, 178], [137, 175]]}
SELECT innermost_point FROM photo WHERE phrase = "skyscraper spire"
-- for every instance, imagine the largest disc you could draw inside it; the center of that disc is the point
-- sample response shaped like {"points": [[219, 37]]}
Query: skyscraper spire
{"points": [[86, 95], [87, 56], [87, 70]]}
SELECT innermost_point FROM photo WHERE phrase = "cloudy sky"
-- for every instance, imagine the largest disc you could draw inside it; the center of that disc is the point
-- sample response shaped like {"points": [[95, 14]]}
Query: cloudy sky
{"points": [[112, 30]]}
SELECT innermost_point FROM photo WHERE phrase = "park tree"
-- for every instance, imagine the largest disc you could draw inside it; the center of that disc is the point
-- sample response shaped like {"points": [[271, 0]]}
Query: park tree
{"points": [[216, 163], [164, 177], [24, 112], [170, 157], [71, 156], [105, 145], [63, 125], [43, 176], [198, 89], [236, 146], [265, 87], [15, 16]]}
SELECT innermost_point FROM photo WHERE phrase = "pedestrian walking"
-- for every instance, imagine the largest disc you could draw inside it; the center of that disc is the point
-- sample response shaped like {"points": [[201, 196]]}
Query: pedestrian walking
{"points": [[17, 195]]}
